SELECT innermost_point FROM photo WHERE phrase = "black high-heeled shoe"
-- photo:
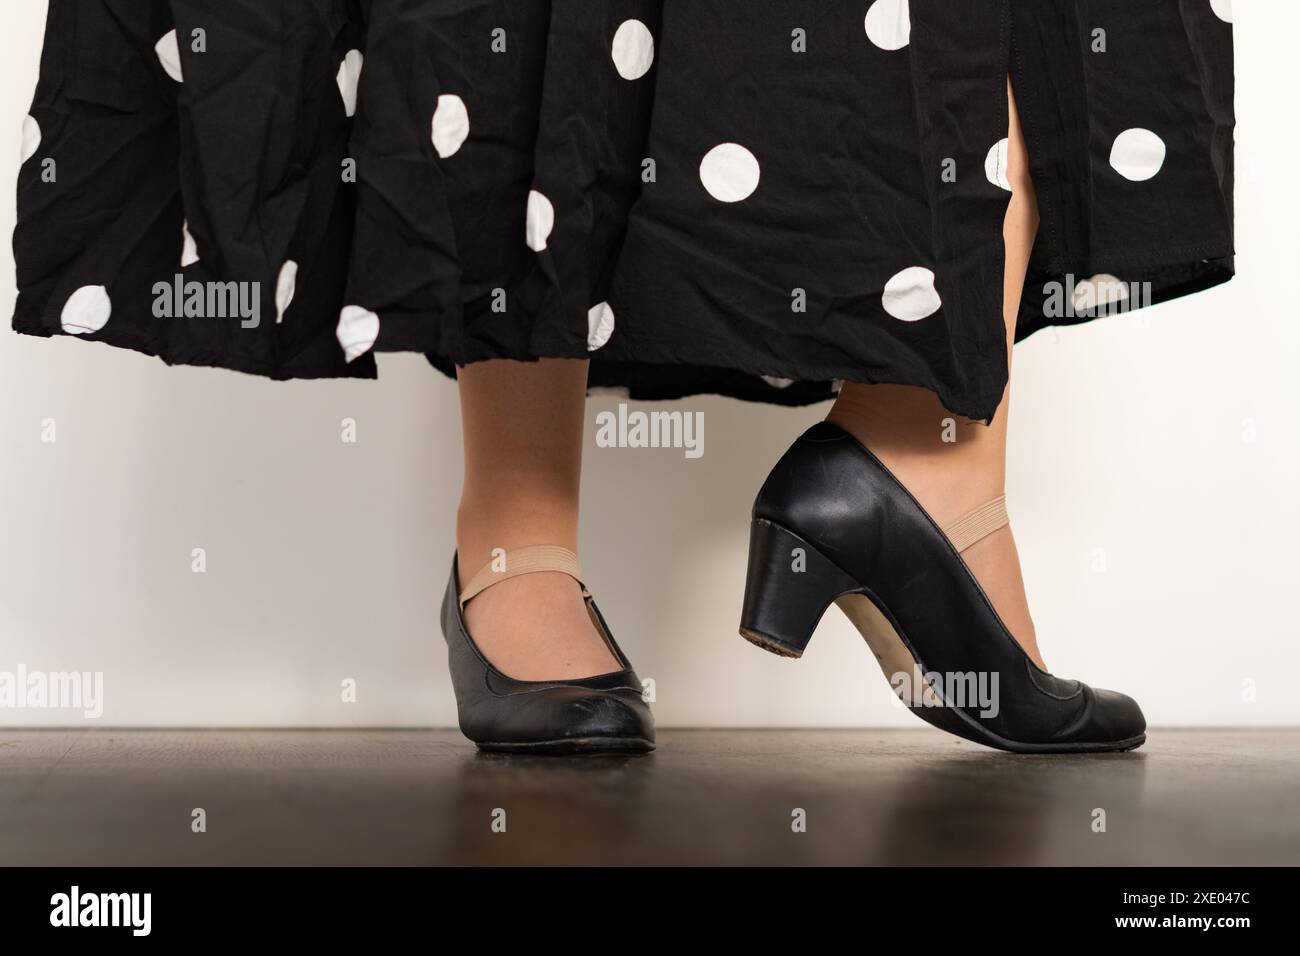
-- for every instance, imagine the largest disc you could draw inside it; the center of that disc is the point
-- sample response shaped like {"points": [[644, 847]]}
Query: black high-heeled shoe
{"points": [[606, 714], [833, 524]]}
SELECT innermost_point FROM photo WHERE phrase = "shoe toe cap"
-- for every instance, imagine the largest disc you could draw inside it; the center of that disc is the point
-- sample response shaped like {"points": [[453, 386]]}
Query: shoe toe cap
{"points": [[567, 717], [1116, 717], [611, 714]]}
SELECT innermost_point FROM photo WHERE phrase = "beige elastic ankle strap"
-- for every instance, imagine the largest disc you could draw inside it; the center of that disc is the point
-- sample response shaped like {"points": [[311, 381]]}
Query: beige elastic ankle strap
{"points": [[538, 557], [978, 524]]}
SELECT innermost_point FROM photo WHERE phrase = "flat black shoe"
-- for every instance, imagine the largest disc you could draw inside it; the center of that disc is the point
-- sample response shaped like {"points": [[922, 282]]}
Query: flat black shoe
{"points": [[606, 714], [833, 524]]}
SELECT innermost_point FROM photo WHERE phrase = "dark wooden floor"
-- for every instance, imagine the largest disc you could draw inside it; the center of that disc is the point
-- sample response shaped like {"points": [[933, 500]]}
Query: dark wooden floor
{"points": [[74, 797]]}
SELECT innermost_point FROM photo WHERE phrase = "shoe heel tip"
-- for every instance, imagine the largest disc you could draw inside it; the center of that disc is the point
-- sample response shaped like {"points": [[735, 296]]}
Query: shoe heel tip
{"points": [[771, 644]]}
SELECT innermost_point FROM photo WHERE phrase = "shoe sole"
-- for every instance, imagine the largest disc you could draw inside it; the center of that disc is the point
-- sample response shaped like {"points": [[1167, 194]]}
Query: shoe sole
{"points": [[574, 747]]}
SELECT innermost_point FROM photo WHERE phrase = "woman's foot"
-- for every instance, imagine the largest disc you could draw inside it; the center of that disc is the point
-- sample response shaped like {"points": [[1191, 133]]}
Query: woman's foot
{"points": [[600, 714], [536, 627], [833, 524], [534, 667], [523, 427], [950, 466]]}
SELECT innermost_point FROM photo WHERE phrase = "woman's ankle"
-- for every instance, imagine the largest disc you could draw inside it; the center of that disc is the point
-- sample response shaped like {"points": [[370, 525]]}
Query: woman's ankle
{"points": [[949, 468], [486, 528], [950, 465]]}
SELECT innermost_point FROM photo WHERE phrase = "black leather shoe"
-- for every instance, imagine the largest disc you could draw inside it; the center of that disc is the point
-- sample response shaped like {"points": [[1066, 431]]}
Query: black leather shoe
{"points": [[832, 524], [606, 714]]}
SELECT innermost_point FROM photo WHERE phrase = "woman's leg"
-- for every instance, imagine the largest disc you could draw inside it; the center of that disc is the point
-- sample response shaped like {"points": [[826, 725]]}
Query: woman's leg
{"points": [[523, 426], [904, 426]]}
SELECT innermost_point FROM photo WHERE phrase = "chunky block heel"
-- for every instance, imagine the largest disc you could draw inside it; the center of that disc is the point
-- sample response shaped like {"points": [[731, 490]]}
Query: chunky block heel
{"points": [[788, 587]]}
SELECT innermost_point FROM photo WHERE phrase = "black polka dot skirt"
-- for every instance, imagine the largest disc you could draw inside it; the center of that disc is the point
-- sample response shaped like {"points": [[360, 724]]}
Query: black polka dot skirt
{"points": [[759, 199]]}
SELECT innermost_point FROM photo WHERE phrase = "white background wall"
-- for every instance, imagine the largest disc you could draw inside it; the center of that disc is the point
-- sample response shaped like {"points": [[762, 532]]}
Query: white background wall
{"points": [[1168, 439]]}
